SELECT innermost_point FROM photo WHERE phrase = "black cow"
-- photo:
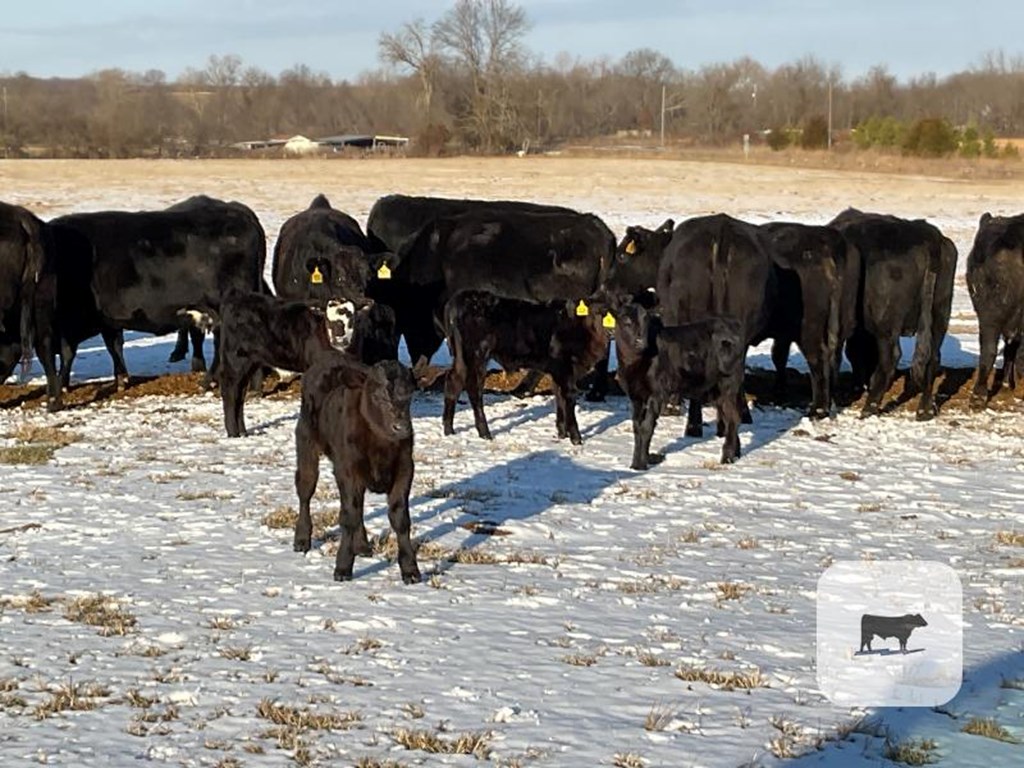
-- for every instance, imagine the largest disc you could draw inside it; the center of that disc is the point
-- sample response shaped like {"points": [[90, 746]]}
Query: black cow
{"points": [[717, 266], [256, 330], [513, 249], [359, 417], [995, 280], [818, 277], [27, 296], [321, 254], [699, 360], [899, 627], [137, 269], [907, 272], [634, 269], [548, 337]]}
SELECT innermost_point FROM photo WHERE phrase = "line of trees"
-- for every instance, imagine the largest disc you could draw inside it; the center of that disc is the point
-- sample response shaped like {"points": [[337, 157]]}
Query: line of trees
{"points": [[466, 82]]}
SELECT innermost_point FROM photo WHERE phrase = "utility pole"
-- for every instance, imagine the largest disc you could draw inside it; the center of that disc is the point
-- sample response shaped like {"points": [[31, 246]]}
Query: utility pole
{"points": [[662, 114], [5, 120]]}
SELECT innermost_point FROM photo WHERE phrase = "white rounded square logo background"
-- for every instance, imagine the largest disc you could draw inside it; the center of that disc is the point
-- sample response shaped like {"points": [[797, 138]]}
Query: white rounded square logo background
{"points": [[931, 671]]}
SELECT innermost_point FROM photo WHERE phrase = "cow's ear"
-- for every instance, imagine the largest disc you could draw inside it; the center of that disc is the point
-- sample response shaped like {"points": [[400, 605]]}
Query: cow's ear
{"points": [[986, 217], [668, 226]]}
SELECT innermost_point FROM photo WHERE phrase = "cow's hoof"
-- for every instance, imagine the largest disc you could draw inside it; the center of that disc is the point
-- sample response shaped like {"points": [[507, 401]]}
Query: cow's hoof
{"points": [[176, 356], [485, 435], [694, 432], [302, 546], [340, 575], [817, 414], [978, 403], [925, 415], [449, 430], [869, 411], [655, 458], [576, 439], [412, 577], [198, 366], [53, 406], [729, 459], [638, 466]]}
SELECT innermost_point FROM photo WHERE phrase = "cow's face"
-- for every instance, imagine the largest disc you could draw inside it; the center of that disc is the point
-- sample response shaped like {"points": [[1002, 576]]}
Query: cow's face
{"points": [[632, 326], [918, 620], [340, 319], [635, 265], [387, 399]]}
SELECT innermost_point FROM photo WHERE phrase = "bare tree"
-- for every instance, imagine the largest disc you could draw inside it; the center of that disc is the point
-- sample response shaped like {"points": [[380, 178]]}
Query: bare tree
{"points": [[413, 47], [484, 38]]}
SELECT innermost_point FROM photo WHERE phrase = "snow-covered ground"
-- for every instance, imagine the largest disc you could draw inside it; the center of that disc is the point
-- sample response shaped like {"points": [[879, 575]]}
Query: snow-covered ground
{"points": [[565, 598]]}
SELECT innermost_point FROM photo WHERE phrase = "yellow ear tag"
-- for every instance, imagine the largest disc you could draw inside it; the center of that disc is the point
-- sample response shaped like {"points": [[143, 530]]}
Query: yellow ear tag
{"points": [[317, 276], [630, 247], [582, 310], [384, 273], [608, 321]]}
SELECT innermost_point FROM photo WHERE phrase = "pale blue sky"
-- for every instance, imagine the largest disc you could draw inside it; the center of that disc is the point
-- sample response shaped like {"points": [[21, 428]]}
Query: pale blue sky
{"points": [[72, 38]]}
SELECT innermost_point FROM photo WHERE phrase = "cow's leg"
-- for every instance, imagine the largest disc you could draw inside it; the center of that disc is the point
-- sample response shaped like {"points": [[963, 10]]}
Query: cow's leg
{"points": [[694, 418], [353, 533], [67, 357], [989, 340], [398, 516], [1010, 352], [645, 420], [475, 389], [232, 390], [926, 405], [821, 399], [565, 399], [47, 355], [198, 360], [780, 359], [599, 386], [888, 358], [560, 414], [307, 471], [729, 415], [241, 383], [114, 341], [454, 383], [180, 347]]}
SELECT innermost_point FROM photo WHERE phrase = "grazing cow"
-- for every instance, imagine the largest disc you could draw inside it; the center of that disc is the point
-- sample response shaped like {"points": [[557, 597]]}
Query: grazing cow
{"points": [[137, 269], [699, 360], [899, 627], [358, 416], [907, 271], [717, 266], [518, 334], [995, 280], [322, 253], [257, 330], [517, 250], [816, 307], [27, 296]]}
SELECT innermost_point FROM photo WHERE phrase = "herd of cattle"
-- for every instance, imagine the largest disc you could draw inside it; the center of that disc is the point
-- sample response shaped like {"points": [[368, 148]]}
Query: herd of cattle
{"points": [[532, 286]]}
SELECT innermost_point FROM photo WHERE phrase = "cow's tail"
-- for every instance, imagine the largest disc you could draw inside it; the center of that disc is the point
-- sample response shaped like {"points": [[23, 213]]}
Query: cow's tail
{"points": [[35, 260], [203, 318], [832, 330], [926, 332], [721, 258]]}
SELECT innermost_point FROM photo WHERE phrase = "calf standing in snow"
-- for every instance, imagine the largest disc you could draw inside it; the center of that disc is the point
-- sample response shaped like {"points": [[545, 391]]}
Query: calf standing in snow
{"points": [[547, 337], [257, 330], [702, 360], [358, 416]]}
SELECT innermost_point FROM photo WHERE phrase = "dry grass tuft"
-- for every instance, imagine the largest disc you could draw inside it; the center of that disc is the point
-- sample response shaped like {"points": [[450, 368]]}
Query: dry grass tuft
{"points": [[748, 542], [989, 728], [580, 659], [35, 434], [305, 719], [34, 602], [649, 659], [853, 477], [911, 752], [628, 760], [1013, 683], [27, 454], [372, 762], [71, 696], [659, 717], [745, 680], [1010, 538], [236, 652], [100, 611], [731, 590], [471, 743]]}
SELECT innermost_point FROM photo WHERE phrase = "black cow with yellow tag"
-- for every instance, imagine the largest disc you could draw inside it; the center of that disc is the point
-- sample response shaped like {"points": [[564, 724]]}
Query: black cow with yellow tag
{"points": [[323, 254]]}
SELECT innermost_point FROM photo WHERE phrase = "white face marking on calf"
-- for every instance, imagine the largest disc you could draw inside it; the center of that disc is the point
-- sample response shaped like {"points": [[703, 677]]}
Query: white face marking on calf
{"points": [[340, 323]]}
